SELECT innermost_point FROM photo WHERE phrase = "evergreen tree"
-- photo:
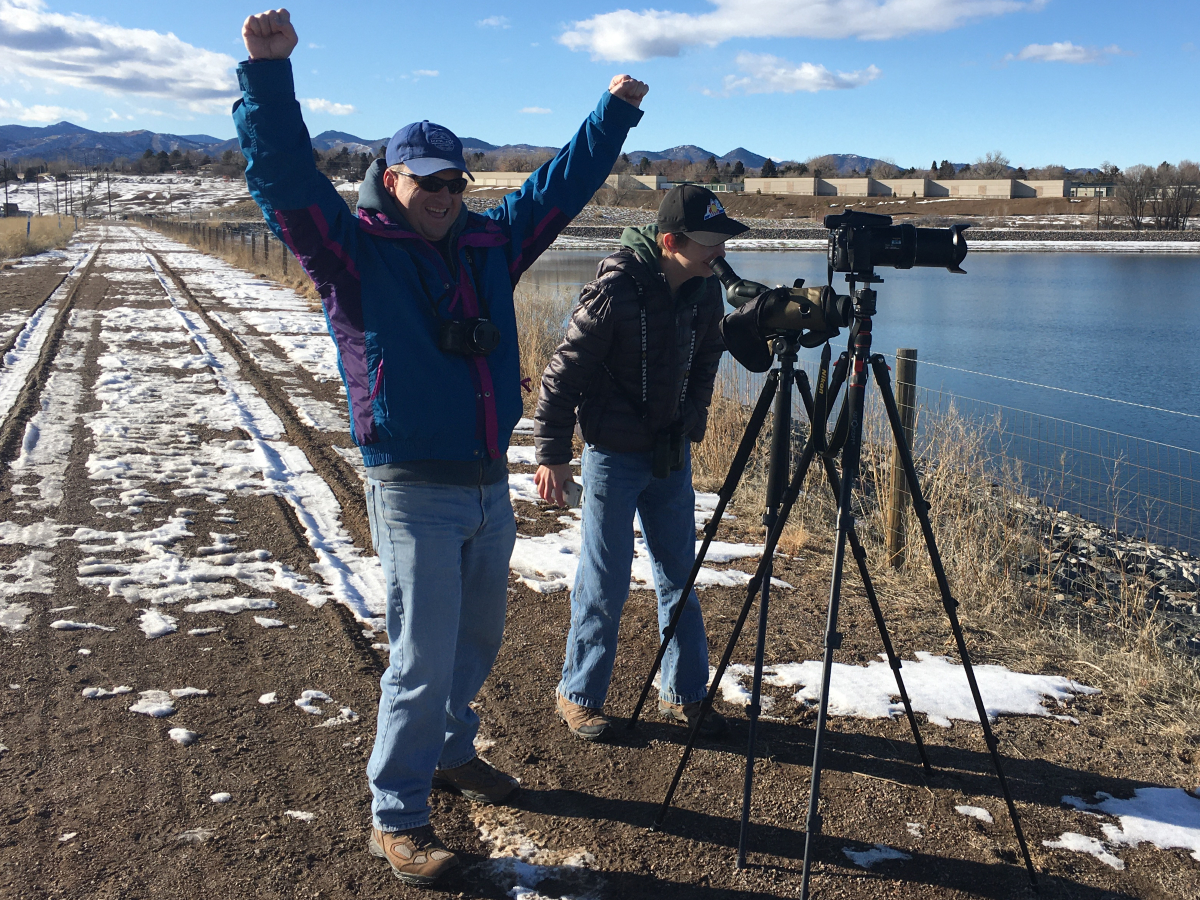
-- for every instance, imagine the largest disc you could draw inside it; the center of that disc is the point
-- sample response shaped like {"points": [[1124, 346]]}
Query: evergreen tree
{"points": [[768, 169]]}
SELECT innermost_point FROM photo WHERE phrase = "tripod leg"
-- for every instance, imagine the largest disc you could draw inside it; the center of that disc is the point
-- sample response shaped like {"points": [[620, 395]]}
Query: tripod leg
{"points": [[752, 590], [860, 557], [753, 712], [736, 469], [852, 408], [921, 507]]}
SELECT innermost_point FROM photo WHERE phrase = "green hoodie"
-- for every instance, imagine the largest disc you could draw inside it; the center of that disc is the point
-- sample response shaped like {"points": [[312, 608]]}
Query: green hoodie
{"points": [[643, 240]]}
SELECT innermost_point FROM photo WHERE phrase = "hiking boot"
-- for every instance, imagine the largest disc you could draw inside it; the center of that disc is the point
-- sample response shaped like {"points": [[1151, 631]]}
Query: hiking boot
{"points": [[416, 855], [584, 722], [713, 726], [477, 780]]}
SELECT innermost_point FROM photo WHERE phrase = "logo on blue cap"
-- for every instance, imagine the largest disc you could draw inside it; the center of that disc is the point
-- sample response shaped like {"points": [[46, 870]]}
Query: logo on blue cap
{"points": [[425, 148]]}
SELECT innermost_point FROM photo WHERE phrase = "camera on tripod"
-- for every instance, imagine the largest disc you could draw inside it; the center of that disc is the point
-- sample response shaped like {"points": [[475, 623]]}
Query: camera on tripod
{"points": [[469, 337], [859, 241]]}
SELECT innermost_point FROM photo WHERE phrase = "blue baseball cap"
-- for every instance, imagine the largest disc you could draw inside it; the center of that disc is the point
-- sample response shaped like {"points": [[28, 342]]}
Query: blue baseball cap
{"points": [[426, 148]]}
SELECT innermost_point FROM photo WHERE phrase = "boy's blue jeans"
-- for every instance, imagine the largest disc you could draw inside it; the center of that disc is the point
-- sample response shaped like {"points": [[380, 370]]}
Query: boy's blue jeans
{"points": [[615, 485], [445, 553]]}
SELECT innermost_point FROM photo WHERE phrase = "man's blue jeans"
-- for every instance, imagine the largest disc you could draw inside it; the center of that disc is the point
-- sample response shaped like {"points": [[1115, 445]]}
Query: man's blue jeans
{"points": [[445, 553], [615, 485]]}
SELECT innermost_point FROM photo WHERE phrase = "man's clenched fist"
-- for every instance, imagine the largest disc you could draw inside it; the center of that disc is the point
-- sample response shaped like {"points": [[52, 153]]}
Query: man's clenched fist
{"points": [[270, 35], [628, 89]]}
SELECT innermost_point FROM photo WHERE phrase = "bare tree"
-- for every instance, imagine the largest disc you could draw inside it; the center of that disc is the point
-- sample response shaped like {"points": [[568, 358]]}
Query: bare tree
{"points": [[991, 165], [1175, 196], [1134, 187]]}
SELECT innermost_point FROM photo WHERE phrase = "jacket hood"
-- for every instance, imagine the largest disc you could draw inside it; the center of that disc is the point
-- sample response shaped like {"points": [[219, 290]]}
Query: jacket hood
{"points": [[643, 240], [373, 195]]}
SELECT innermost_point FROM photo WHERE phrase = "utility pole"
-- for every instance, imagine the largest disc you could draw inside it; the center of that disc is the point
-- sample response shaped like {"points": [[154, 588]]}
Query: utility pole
{"points": [[6, 186], [108, 180], [37, 187], [56, 210]]}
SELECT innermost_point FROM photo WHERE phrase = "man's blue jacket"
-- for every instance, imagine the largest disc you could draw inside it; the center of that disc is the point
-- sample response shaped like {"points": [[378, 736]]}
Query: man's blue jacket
{"points": [[386, 290]]}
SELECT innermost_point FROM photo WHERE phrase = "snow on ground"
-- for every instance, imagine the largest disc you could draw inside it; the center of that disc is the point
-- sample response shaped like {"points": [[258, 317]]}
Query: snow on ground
{"points": [[975, 812], [877, 854], [1081, 843], [936, 685], [519, 863], [166, 194], [1166, 817]]}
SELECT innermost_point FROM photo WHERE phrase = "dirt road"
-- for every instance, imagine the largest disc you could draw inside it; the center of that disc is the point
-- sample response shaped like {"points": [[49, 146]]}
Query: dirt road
{"points": [[181, 532]]}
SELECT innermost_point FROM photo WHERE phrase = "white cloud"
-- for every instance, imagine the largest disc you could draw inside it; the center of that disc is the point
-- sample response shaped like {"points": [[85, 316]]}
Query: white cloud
{"points": [[14, 109], [1065, 51], [625, 35], [114, 116], [320, 105], [425, 73], [494, 22], [536, 110], [312, 46], [83, 52], [766, 74]]}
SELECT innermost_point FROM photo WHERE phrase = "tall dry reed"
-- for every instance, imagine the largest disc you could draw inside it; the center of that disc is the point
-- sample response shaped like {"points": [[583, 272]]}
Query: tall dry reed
{"points": [[542, 313], [20, 236]]}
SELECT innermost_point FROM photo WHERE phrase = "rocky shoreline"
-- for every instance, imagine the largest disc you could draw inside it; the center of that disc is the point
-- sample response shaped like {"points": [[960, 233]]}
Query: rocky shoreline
{"points": [[1093, 566]]}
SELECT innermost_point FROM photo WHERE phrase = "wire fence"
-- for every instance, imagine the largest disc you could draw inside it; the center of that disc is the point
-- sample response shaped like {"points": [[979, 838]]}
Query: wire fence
{"points": [[1133, 486]]}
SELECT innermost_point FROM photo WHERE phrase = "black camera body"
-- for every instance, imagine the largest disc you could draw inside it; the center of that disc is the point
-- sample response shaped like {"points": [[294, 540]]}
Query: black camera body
{"points": [[468, 337], [859, 241]]}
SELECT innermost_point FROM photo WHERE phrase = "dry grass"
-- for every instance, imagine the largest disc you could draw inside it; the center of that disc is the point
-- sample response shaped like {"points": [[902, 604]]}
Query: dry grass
{"points": [[542, 313], [265, 257], [44, 233]]}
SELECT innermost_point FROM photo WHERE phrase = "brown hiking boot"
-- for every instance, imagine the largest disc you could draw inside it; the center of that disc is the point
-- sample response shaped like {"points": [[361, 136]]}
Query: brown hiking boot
{"points": [[477, 780], [584, 722], [713, 726], [416, 855]]}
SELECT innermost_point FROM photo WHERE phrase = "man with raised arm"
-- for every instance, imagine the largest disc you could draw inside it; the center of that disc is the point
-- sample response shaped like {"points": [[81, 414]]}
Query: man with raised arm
{"points": [[418, 296]]}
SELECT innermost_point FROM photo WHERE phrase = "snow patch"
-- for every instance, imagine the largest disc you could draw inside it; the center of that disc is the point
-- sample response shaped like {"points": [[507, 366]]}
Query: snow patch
{"points": [[183, 737], [877, 854], [1081, 843], [154, 703]]}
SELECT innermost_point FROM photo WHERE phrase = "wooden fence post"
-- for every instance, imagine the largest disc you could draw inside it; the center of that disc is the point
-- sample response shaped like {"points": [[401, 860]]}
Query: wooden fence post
{"points": [[898, 496]]}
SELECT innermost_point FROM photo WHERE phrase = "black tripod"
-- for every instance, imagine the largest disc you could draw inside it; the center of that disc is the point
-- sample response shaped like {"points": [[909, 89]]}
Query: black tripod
{"points": [[778, 507]]}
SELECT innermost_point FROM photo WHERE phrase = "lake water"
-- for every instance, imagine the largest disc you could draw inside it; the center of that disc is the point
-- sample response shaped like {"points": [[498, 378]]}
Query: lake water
{"points": [[1125, 327]]}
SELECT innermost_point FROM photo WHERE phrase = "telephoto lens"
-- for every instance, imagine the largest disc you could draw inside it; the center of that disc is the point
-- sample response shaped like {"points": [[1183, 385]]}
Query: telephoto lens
{"points": [[860, 241]]}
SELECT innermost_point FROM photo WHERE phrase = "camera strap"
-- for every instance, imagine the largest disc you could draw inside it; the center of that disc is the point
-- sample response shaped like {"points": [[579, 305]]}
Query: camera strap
{"points": [[639, 406]]}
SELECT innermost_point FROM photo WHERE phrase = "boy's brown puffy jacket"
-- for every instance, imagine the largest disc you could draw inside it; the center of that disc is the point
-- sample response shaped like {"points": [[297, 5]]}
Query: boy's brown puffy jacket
{"points": [[604, 342]]}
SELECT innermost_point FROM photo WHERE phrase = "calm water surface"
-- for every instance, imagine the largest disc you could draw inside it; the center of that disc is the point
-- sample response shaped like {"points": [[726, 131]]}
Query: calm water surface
{"points": [[1125, 326]]}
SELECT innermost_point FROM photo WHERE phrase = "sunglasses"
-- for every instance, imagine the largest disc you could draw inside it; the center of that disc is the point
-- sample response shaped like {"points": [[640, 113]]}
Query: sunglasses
{"points": [[433, 185]]}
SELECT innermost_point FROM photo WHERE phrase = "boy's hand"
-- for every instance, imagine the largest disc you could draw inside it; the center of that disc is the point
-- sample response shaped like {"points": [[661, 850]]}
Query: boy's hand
{"points": [[551, 481], [270, 35]]}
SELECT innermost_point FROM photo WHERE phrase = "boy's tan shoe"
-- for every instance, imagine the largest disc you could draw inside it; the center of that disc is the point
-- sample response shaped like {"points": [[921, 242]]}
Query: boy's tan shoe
{"points": [[585, 723]]}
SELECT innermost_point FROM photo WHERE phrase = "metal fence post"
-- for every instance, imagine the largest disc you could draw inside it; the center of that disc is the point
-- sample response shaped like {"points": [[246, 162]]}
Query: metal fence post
{"points": [[898, 496]]}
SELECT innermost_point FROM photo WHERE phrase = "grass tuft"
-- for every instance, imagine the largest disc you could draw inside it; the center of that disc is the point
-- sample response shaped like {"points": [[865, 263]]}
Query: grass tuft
{"points": [[45, 233]]}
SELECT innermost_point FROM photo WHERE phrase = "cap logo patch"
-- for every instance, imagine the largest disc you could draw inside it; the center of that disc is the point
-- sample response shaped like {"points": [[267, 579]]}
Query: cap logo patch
{"points": [[441, 139], [714, 209]]}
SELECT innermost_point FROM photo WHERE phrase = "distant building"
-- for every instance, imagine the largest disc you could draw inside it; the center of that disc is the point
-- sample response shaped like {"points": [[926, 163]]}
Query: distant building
{"points": [[993, 188]]}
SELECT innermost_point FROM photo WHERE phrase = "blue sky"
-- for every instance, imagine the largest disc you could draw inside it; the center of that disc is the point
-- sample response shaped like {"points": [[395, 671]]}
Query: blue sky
{"points": [[1043, 81]]}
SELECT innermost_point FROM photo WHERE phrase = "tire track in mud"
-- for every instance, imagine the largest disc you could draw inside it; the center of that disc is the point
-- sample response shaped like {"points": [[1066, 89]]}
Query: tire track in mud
{"points": [[29, 398], [324, 459]]}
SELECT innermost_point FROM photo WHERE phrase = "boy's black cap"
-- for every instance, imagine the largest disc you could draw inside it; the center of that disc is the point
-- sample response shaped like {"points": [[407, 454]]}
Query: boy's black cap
{"points": [[695, 211]]}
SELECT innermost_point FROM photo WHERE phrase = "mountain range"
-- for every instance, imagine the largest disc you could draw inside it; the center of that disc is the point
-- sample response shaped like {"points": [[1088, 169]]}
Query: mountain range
{"points": [[79, 144]]}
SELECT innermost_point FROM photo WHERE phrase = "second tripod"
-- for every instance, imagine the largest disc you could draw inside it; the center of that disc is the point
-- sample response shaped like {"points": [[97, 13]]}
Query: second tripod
{"points": [[852, 369]]}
